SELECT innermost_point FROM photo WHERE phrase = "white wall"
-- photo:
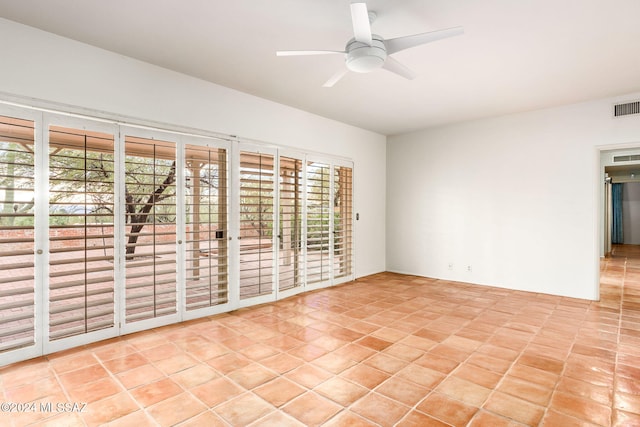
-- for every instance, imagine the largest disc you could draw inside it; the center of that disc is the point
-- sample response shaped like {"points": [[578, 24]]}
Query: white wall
{"points": [[516, 197], [41, 65], [631, 213]]}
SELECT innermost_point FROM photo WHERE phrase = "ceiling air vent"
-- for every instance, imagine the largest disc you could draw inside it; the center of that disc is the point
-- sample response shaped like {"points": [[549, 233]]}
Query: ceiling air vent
{"points": [[626, 109], [626, 158]]}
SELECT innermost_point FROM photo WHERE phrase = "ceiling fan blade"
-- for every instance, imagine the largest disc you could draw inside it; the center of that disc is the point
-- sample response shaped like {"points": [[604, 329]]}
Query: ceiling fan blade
{"points": [[406, 42], [336, 77], [361, 24], [396, 67], [307, 52]]}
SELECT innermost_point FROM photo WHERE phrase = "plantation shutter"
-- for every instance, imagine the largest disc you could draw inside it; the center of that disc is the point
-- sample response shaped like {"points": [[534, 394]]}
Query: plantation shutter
{"points": [[17, 242], [342, 222], [206, 203], [256, 223], [290, 259], [81, 248], [318, 222], [150, 228]]}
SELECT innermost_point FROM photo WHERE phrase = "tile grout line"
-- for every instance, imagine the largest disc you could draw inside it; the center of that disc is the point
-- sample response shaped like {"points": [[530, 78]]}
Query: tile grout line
{"points": [[545, 324], [502, 378], [618, 336]]}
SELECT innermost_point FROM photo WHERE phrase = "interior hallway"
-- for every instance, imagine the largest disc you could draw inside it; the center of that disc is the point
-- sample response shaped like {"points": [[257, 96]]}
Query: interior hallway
{"points": [[385, 350]]}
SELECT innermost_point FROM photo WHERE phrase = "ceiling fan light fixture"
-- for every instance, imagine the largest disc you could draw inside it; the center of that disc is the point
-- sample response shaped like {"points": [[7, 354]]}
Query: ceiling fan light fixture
{"points": [[362, 58], [366, 51]]}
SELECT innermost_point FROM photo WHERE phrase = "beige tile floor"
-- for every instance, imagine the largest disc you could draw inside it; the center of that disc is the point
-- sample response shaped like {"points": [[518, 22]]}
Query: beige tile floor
{"points": [[385, 350]]}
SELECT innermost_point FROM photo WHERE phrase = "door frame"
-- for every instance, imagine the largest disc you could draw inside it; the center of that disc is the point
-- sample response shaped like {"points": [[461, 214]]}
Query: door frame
{"points": [[236, 222], [154, 135], [604, 155], [39, 242], [53, 119], [351, 276], [205, 141], [329, 280], [280, 294]]}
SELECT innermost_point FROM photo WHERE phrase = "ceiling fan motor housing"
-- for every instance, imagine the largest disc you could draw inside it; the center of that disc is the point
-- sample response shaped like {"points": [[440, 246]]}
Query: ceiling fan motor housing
{"points": [[363, 58]]}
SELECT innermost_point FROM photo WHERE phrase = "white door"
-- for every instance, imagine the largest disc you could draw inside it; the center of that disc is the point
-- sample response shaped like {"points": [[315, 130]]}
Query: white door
{"points": [[257, 206], [206, 207], [81, 296], [152, 184], [20, 298], [342, 197], [319, 223], [290, 224]]}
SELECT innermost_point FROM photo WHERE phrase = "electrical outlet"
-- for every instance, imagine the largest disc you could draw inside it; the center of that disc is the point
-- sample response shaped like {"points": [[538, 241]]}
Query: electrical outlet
{"points": [[469, 268], [450, 266]]}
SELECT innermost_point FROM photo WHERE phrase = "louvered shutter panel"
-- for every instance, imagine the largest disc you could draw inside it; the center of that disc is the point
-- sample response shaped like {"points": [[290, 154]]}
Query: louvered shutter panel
{"points": [[318, 222], [206, 226], [17, 243], [256, 223], [81, 249], [150, 205]]}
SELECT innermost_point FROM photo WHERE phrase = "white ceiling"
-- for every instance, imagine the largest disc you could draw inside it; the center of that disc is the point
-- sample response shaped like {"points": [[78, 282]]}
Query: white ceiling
{"points": [[515, 55]]}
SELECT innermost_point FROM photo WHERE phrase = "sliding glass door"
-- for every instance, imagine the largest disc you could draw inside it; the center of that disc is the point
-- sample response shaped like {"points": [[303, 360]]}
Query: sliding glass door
{"points": [[81, 298], [207, 226], [257, 187], [150, 228], [18, 303], [107, 229], [319, 223], [342, 223], [290, 224], [176, 227], [329, 222]]}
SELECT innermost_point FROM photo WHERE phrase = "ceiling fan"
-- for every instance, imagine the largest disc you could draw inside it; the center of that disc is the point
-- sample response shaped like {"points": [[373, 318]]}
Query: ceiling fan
{"points": [[366, 52]]}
